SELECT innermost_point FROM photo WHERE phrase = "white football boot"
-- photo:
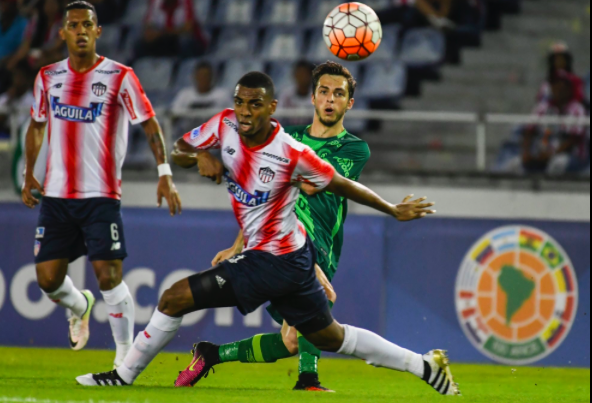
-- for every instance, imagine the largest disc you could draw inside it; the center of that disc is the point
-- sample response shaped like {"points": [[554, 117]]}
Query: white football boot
{"points": [[438, 374]]}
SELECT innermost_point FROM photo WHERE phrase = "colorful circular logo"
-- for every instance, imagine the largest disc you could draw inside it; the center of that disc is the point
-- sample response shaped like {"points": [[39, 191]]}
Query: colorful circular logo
{"points": [[517, 295]]}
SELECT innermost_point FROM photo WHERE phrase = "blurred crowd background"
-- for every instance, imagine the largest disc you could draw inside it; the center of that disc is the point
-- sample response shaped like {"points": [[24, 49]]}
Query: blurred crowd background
{"points": [[483, 56]]}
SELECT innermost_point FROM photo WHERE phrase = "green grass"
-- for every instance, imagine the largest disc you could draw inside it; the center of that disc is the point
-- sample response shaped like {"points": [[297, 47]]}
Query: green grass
{"points": [[48, 375]]}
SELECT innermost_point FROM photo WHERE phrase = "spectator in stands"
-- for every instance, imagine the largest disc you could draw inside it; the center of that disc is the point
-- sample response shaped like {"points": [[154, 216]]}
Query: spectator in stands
{"points": [[554, 149], [42, 44], [171, 29], [299, 94], [109, 10], [561, 59], [12, 28], [17, 100], [413, 13], [203, 95]]}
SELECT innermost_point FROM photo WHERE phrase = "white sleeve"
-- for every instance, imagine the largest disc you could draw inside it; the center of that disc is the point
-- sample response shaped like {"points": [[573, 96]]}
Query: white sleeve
{"points": [[136, 104], [206, 136], [39, 107]]}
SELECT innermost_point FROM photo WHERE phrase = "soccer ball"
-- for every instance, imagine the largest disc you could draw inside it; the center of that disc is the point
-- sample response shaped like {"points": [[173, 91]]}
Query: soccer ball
{"points": [[352, 31]]}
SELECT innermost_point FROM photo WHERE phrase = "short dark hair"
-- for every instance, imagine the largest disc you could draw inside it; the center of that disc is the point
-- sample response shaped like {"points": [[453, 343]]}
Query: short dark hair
{"points": [[333, 69], [80, 5], [204, 65], [304, 64], [256, 79]]}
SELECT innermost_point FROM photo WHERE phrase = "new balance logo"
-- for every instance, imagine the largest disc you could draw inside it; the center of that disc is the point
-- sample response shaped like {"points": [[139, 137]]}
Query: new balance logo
{"points": [[116, 246], [220, 281], [236, 259]]}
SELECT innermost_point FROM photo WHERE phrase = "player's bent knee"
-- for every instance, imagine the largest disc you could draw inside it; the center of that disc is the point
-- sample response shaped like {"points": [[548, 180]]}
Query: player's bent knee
{"points": [[175, 301], [109, 275], [48, 284]]}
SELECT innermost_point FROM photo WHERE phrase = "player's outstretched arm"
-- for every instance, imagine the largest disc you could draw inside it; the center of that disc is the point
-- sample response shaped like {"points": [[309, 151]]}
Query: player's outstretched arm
{"points": [[166, 187], [33, 143], [408, 210], [187, 156]]}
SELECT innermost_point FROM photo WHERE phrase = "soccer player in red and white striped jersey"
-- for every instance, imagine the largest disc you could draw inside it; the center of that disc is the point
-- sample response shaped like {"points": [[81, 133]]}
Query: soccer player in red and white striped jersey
{"points": [[86, 102]]}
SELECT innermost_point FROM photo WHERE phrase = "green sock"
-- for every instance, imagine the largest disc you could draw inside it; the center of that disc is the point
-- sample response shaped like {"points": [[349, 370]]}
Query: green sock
{"points": [[264, 348], [309, 354]]}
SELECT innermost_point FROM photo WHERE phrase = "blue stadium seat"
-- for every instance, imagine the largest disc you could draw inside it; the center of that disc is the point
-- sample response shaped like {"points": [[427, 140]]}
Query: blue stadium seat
{"points": [[234, 69], [109, 43], [318, 11], [235, 42], [136, 13], [203, 10], [283, 44], [384, 79], [236, 12], [281, 12], [282, 74], [186, 72], [154, 73], [423, 47], [389, 44]]}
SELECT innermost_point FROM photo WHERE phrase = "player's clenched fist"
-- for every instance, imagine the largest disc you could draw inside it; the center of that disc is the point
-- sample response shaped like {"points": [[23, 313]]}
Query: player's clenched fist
{"points": [[31, 183], [413, 210]]}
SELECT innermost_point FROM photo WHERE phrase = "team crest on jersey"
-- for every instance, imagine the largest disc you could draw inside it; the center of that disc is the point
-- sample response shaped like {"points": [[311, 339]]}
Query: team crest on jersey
{"points": [[517, 295], [77, 114], [266, 174], [99, 89]]}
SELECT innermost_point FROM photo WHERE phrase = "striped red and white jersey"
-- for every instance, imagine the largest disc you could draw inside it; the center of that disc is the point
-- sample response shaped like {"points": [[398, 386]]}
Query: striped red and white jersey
{"points": [[88, 117], [262, 181]]}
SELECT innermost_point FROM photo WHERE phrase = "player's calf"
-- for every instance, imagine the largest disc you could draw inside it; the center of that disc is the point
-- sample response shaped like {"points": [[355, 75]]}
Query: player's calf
{"points": [[177, 300]]}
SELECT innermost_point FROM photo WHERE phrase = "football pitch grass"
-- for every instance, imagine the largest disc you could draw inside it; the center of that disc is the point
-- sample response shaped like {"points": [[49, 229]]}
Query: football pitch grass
{"points": [[47, 376]]}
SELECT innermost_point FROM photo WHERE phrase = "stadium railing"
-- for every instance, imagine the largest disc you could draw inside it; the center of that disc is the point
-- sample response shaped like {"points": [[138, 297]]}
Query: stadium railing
{"points": [[480, 121]]}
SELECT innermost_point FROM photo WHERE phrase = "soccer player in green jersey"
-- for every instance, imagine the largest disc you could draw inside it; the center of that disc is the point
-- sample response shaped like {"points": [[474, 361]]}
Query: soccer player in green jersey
{"points": [[323, 215]]}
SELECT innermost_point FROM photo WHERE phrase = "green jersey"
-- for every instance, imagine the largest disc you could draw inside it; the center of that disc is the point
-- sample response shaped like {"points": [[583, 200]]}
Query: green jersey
{"points": [[324, 214]]}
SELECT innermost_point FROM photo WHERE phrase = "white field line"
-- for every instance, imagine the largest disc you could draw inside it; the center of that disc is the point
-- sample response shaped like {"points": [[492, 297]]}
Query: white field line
{"points": [[34, 400]]}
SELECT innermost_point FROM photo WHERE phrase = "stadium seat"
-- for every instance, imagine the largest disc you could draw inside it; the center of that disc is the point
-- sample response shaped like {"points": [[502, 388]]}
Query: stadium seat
{"points": [[203, 10], [154, 73], [235, 42], [281, 12], [423, 47], [110, 41], [282, 74], [236, 12], [384, 80], [136, 13], [185, 72], [283, 44], [389, 44], [234, 69]]}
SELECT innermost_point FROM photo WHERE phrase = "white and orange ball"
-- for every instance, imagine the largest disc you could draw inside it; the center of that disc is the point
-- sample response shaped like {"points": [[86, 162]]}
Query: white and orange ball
{"points": [[352, 31]]}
